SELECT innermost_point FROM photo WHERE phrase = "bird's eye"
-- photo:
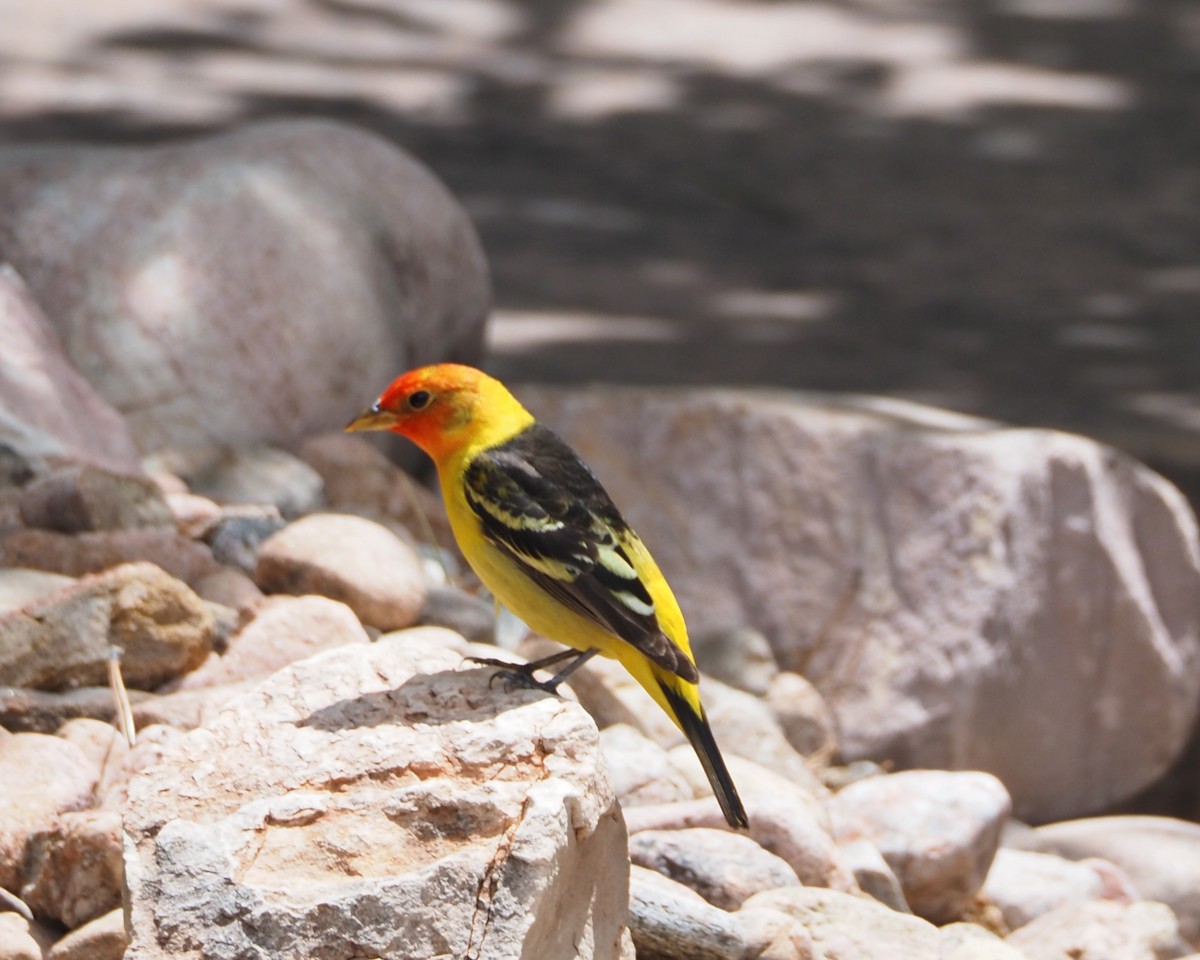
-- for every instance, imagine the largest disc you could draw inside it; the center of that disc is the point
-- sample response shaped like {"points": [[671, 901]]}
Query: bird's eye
{"points": [[419, 399]]}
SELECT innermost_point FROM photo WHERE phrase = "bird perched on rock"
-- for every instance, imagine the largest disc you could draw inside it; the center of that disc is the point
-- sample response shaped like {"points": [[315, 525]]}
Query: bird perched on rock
{"points": [[544, 536]]}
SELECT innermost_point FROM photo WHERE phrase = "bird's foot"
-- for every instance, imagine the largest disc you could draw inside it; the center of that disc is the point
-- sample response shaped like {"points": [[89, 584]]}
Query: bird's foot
{"points": [[518, 675]]}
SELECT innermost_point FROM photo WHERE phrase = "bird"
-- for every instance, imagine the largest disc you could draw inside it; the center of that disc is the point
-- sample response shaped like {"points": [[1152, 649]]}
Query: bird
{"points": [[545, 538]]}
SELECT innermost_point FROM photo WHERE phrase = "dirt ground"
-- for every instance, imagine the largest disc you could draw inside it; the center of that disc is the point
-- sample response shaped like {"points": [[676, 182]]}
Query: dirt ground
{"points": [[992, 206]]}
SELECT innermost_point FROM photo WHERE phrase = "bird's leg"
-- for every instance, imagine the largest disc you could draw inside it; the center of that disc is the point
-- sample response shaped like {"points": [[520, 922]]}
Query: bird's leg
{"points": [[521, 674]]}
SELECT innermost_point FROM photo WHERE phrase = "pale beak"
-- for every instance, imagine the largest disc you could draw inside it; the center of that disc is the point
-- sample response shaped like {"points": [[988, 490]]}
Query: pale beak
{"points": [[373, 418]]}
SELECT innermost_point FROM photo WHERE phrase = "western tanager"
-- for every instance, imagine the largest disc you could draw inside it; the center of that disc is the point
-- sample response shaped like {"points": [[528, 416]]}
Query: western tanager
{"points": [[544, 537]]}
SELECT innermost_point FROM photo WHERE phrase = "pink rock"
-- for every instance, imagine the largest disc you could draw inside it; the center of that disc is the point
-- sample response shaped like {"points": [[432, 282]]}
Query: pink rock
{"points": [[252, 286], [47, 408]]}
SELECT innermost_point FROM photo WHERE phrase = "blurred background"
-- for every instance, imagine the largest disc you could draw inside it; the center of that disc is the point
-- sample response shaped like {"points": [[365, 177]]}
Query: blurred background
{"points": [[991, 206]]}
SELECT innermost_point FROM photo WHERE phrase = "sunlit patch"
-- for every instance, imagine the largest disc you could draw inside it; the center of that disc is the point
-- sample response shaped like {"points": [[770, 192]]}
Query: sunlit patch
{"points": [[516, 329], [593, 94]]}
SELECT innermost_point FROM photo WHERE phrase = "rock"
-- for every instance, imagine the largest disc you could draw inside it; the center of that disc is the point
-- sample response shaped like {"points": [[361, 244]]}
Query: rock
{"points": [[375, 801], [360, 479], [163, 628], [749, 777], [284, 629], [784, 819], [724, 868], [948, 572], [842, 925], [19, 586], [937, 830], [101, 939], [230, 588], [73, 870], [99, 741], [300, 264], [873, 875], [35, 711], [259, 475], [236, 534], [188, 708], [641, 770], [16, 941], [83, 553], [191, 511], [47, 409], [668, 920], [772, 935], [1102, 929], [350, 559], [739, 656], [966, 941], [461, 612], [40, 778], [803, 715], [152, 743], [79, 498], [1161, 857], [744, 725], [1024, 884]]}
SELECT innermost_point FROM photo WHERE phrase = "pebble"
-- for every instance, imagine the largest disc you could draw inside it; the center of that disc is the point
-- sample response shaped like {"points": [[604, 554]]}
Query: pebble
{"points": [[40, 777], [74, 869], [723, 867], [101, 939], [346, 558], [740, 657], [803, 715], [1102, 929], [78, 498], [641, 771], [258, 475], [938, 830], [1024, 884]]}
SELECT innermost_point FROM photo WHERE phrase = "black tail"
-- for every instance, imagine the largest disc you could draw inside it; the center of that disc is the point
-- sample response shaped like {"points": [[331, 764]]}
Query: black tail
{"points": [[699, 733]]}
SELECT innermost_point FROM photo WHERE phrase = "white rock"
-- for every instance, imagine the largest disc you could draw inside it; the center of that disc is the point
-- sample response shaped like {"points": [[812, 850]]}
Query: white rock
{"points": [[847, 926], [723, 867], [937, 830], [252, 286], [641, 770], [803, 714], [1024, 884], [947, 573], [873, 874], [966, 941], [1102, 929], [282, 630], [16, 941], [346, 558], [1160, 855], [668, 920], [373, 800], [18, 586], [100, 939]]}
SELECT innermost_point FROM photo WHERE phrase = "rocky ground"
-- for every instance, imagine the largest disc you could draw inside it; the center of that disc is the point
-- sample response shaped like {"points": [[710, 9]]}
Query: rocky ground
{"points": [[950, 663]]}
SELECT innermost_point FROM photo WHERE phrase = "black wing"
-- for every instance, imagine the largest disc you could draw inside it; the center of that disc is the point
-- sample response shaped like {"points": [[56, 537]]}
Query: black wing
{"points": [[538, 501]]}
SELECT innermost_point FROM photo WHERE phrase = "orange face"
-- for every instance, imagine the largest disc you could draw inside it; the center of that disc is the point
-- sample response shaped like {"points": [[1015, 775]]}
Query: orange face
{"points": [[442, 408]]}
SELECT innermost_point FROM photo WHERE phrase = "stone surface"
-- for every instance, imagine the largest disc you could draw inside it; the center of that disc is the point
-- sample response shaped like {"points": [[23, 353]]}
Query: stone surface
{"points": [[78, 498], [967, 941], [62, 641], [16, 942], [253, 286], [724, 868], [740, 657], [1161, 857], [41, 777], [461, 612], [772, 935], [743, 724], [359, 478], [82, 553], [350, 559], [803, 714], [237, 536], [36, 711], [258, 475], [376, 801], [842, 925], [937, 830], [641, 770], [873, 874], [947, 572], [101, 939], [73, 870], [284, 629], [1025, 884], [1102, 929], [47, 409], [19, 586], [668, 920]]}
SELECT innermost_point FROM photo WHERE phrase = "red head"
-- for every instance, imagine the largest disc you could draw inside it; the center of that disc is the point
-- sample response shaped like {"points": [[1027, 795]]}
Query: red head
{"points": [[446, 409]]}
